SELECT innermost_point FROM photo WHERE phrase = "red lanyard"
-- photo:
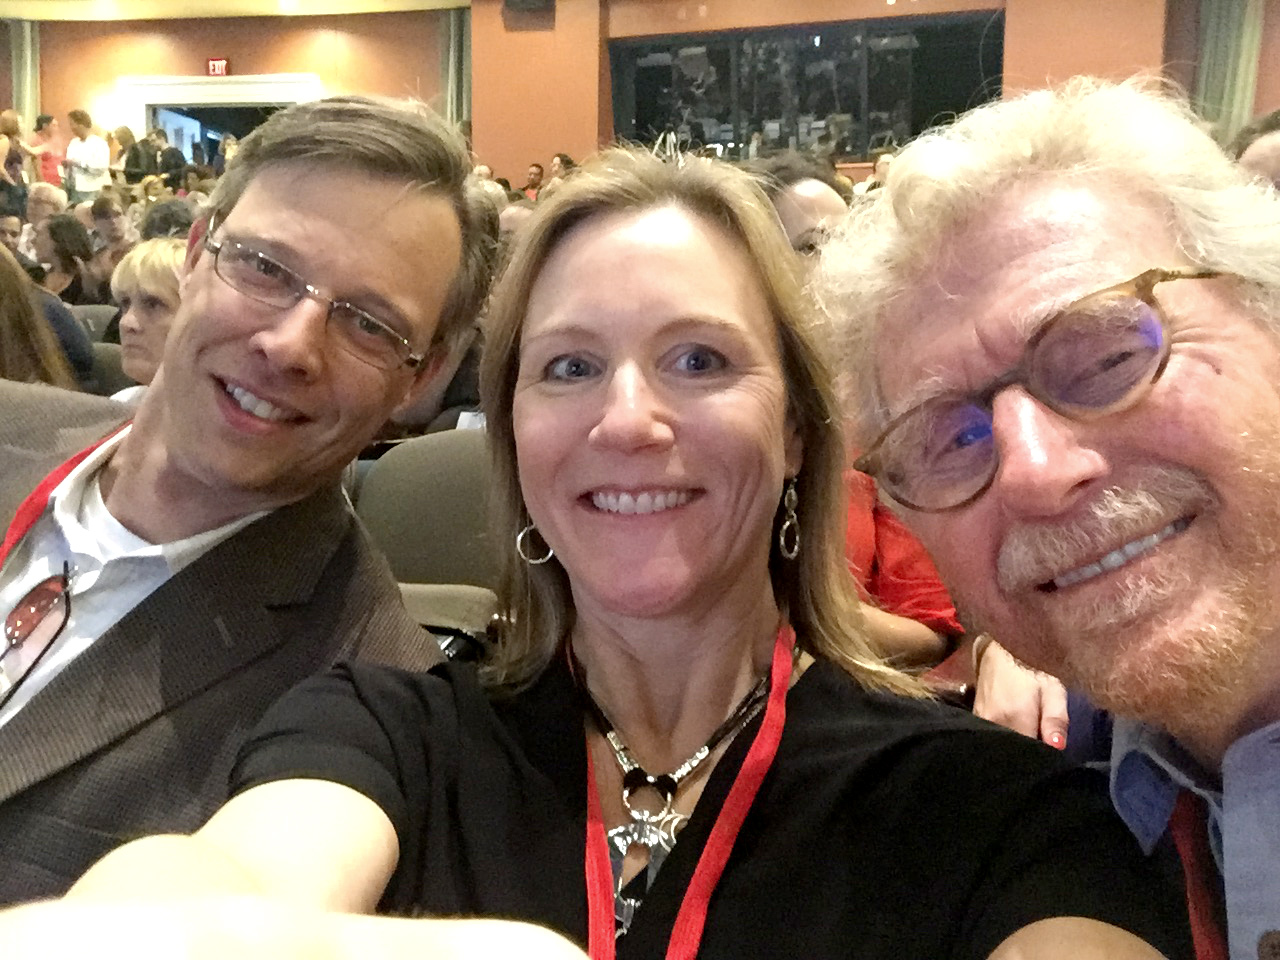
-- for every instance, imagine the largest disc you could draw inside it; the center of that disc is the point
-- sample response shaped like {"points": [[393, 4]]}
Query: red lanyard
{"points": [[1189, 826], [686, 935], [29, 510]]}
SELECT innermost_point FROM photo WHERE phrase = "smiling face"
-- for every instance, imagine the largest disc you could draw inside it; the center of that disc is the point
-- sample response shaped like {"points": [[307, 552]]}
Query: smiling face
{"points": [[263, 400], [1131, 555], [650, 416]]}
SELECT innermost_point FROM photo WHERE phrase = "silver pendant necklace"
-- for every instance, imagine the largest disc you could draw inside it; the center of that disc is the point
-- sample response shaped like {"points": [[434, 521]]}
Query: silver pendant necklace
{"points": [[656, 832]]}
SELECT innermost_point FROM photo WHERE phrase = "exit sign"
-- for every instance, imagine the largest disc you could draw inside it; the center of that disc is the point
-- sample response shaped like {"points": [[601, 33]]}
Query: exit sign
{"points": [[219, 68]]}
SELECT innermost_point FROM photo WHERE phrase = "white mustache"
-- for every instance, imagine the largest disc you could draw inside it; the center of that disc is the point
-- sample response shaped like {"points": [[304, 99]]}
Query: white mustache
{"points": [[1033, 554]]}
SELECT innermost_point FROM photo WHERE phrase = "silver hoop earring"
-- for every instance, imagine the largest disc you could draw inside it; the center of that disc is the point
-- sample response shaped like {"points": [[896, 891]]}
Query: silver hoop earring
{"points": [[789, 532], [522, 548]]}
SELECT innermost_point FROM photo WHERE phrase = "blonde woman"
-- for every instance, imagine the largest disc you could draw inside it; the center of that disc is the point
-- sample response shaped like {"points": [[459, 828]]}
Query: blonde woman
{"points": [[145, 285]]}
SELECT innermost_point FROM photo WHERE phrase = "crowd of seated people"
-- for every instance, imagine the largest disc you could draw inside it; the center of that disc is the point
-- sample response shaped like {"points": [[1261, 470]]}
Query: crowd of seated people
{"points": [[145, 191], [680, 651]]}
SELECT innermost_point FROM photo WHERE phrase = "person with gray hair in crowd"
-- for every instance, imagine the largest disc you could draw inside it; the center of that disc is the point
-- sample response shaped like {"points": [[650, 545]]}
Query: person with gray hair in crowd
{"points": [[164, 578], [1062, 317], [44, 200]]}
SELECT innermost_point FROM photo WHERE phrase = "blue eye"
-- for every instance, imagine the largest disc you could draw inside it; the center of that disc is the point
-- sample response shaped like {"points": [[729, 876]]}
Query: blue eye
{"points": [[569, 367], [979, 432], [700, 360], [947, 435]]}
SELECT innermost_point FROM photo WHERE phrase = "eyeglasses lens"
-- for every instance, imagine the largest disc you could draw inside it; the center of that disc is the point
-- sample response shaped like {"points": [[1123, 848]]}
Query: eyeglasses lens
{"points": [[255, 275], [1093, 360], [941, 454], [31, 626], [260, 278], [367, 338]]}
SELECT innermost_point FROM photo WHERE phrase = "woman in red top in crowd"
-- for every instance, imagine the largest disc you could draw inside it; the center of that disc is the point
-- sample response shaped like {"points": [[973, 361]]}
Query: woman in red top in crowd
{"points": [[906, 606]]}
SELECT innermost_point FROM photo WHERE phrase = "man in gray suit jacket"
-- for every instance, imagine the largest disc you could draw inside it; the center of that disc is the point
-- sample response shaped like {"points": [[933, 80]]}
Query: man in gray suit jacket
{"points": [[163, 580]]}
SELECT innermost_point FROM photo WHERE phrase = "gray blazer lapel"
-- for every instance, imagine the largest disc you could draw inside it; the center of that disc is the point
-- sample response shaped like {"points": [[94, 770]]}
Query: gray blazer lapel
{"points": [[213, 619]]}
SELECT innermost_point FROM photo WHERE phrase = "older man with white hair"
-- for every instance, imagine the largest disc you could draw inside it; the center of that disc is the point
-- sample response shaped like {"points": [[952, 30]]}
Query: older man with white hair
{"points": [[1063, 313], [43, 201]]}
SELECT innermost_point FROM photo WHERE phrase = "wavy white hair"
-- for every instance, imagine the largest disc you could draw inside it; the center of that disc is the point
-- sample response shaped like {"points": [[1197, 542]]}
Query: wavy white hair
{"points": [[1139, 134]]}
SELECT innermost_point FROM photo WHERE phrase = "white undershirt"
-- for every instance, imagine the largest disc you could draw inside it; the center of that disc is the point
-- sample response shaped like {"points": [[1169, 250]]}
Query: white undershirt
{"points": [[112, 569]]}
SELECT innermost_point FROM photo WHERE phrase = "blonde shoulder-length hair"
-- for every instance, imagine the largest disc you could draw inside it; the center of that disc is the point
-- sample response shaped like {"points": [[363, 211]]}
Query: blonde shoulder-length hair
{"points": [[815, 591]]}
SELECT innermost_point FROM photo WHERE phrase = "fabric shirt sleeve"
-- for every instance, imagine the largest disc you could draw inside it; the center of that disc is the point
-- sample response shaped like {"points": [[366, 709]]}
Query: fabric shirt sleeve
{"points": [[904, 579], [891, 566], [97, 156], [75, 342], [1045, 842], [335, 727]]}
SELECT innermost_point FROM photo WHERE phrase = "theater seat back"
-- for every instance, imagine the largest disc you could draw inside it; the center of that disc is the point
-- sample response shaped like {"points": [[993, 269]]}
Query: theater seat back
{"points": [[425, 503], [108, 374]]}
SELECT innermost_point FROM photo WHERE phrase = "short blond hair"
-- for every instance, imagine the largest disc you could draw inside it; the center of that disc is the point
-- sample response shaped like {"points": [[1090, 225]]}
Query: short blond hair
{"points": [[49, 192], [150, 267]]}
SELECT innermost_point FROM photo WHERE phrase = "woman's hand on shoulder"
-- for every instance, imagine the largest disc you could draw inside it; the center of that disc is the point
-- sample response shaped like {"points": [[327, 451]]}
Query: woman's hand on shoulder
{"points": [[1017, 697]]}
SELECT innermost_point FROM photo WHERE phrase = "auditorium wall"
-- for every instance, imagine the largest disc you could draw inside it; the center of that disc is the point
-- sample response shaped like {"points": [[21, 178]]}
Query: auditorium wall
{"points": [[383, 53], [518, 62], [540, 82], [6, 66], [1267, 96]]}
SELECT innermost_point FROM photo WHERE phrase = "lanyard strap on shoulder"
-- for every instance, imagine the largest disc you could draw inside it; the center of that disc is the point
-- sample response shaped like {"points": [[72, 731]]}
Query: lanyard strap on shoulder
{"points": [[29, 510]]}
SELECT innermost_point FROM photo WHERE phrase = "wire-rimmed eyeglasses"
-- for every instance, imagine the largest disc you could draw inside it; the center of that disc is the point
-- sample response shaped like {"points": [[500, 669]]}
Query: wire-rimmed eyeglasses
{"points": [[259, 277]]}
